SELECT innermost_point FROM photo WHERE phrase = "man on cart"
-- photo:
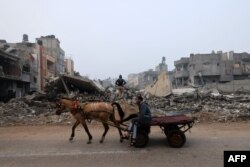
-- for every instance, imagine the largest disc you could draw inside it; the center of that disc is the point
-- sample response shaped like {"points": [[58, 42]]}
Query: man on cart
{"points": [[143, 118]]}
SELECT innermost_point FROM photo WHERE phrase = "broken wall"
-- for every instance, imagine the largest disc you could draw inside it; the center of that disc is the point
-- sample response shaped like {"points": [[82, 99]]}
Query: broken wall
{"points": [[162, 86]]}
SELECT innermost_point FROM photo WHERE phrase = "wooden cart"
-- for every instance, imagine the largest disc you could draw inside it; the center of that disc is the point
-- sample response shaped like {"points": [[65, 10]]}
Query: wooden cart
{"points": [[174, 127]]}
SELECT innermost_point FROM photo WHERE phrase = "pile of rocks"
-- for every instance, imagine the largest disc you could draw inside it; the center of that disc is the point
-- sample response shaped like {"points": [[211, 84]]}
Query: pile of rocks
{"points": [[22, 111], [206, 106]]}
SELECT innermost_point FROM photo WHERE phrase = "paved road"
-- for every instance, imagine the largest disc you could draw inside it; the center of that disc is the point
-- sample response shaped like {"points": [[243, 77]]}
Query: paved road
{"points": [[39, 146]]}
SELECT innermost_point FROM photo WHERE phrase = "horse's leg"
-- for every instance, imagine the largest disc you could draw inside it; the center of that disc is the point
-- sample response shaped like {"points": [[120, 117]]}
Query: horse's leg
{"points": [[73, 130], [83, 122], [112, 118], [106, 128]]}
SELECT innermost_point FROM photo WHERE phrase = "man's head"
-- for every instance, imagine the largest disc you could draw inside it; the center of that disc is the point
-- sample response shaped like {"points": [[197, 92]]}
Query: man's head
{"points": [[139, 99], [120, 76]]}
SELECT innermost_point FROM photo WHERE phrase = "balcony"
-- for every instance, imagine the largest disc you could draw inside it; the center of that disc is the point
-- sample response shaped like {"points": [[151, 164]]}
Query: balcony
{"points": [[51, 59]]}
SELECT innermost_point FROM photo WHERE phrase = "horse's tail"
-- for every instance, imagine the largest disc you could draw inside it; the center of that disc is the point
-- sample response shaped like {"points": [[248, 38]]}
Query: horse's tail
{"points": [[131, 116], [120, 111]]}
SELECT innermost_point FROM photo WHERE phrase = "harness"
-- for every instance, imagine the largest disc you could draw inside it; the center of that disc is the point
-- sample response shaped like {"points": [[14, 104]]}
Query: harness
{"points": [[75, 104], [75, 107]]}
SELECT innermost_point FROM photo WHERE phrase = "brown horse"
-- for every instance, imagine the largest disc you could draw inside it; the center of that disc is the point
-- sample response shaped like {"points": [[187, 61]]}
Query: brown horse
{"points": [[101, 111]]}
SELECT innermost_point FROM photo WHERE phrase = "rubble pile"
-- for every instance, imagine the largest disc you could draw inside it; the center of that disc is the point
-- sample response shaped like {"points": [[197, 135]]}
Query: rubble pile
{"points": [[205, 105], [213, 107], [22, 111], [227, 107]]}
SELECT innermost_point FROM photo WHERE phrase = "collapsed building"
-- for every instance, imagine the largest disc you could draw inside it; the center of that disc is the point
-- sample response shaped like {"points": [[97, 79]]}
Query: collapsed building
{"points": [[28, 55], [203, 104], [70, 86]]}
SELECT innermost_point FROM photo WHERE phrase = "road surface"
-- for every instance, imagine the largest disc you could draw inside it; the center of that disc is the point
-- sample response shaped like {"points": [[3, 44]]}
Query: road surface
{"points": [[39, 146]]}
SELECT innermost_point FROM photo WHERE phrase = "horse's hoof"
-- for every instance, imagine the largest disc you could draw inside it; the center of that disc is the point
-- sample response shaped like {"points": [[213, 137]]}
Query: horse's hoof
{"points": [[71, 138], [121, 140], [89, 142], [101, 141]]}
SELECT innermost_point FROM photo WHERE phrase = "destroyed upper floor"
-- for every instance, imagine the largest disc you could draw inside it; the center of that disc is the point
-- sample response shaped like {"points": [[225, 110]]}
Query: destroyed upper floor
{"points": [[212, 68], [14, 79]]}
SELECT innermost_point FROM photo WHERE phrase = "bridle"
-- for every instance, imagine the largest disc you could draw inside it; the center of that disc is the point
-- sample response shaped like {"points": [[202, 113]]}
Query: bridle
{"points": [[59, 107]]}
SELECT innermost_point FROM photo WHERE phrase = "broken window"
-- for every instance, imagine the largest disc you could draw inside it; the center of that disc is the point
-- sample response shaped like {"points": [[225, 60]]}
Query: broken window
{"points": [[29, 45], [185, 67], [35, 80], [19, 85], [206, 63], [26, 68], [191, 66]]}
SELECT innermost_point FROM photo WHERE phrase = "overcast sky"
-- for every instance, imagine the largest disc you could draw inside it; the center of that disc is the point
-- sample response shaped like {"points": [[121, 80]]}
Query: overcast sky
{"points": [[106, 38]]}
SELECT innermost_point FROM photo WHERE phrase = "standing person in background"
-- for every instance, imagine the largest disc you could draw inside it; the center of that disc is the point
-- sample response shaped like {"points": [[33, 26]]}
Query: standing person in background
{"points": [[120, 82]]}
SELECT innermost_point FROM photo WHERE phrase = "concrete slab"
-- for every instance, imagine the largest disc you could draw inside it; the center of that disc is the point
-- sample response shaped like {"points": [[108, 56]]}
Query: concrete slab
{"points": [[162, 87]]}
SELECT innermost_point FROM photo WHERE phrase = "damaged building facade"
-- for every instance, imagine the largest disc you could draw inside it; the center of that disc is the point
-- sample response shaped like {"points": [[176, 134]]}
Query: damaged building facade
{"points": [[28, 54], [220, 67], [69, 66], [14, 81], [54, 54], [35, 63], [51, 62]]}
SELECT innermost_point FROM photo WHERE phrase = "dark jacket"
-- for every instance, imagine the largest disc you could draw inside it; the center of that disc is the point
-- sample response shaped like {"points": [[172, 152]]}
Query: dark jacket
{"points": [[144, 114], [120, 82]]}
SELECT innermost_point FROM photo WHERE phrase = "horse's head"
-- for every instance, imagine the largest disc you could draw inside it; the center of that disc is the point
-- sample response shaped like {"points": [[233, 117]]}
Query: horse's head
{"points": [[65, 103]]}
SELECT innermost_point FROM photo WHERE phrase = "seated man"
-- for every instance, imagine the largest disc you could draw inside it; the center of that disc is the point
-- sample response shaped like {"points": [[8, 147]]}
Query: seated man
{"points": [[143, 118]]}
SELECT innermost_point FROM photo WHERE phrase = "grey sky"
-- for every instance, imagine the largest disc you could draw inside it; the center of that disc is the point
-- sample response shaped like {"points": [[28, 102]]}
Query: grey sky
{"points": [[111, 37]]}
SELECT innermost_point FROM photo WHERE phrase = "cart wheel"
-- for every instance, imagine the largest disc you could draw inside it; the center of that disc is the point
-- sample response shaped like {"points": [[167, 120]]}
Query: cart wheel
{"points": [[169, 128], [141, 140], [176, 138]]}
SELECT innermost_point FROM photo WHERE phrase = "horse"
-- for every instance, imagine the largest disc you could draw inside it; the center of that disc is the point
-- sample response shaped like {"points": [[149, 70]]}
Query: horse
{"points": [[102, 111]]}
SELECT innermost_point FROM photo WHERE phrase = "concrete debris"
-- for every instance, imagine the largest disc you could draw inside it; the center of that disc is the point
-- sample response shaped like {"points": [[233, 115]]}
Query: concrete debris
{"points": [[23, 111], [70, 84], [162, 87], [206, 105], [181, 91]]}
